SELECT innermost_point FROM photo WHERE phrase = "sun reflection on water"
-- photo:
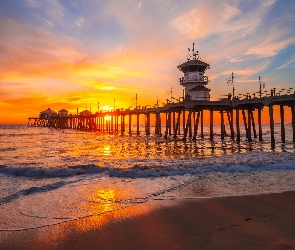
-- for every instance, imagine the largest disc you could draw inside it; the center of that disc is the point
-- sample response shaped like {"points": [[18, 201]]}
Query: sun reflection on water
{"points": [[103, 206], [103, 201], [107, 150]]}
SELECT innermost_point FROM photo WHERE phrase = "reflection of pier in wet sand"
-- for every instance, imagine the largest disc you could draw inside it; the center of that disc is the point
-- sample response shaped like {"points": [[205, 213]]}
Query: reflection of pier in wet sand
{"points": [[183, 118]]}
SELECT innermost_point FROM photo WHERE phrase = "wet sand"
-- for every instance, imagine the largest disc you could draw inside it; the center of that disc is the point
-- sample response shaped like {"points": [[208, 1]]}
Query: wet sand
{"points": [[245, 222]]}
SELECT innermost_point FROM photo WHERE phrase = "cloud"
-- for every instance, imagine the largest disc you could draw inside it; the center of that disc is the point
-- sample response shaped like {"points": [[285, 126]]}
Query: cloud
{"points": [[268, 2], [289, 63], [79, 22], [52, 8], [235, 60], [139, 5], [222, 19], [273, 43], [205, 20], [33, 3]]}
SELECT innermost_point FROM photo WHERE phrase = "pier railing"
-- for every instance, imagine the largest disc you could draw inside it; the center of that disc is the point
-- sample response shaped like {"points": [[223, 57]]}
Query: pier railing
{"points": [[194, 79]]}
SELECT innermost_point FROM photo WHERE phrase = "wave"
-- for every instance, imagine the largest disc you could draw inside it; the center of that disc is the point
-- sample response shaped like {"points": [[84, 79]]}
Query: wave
{"points": [[153, 168], [7, 149], [35, 189]]}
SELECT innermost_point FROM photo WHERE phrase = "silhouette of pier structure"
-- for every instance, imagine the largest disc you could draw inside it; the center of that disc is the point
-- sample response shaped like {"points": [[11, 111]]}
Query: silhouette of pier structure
{"points": [[185, 118]]}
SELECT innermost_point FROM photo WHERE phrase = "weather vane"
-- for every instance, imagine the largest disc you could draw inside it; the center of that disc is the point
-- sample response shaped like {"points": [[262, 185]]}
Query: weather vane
{"points": [[195, 55]]}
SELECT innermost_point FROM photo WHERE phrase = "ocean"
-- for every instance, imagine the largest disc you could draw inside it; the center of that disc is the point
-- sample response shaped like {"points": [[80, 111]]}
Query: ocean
{"points": [[51, 176]]}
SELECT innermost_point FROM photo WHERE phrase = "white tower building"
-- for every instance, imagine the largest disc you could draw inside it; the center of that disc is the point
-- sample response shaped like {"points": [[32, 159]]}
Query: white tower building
{"points": [[194, 81]]}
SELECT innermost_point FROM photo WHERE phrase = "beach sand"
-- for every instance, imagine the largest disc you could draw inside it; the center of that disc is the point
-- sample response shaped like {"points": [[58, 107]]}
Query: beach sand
{"points": [[241, 222]]}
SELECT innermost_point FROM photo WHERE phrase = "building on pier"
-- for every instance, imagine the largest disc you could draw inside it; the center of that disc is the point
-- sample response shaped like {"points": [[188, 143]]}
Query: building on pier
{"points": [[194, 81], [85, 113], [47, 113], [63, 113]]}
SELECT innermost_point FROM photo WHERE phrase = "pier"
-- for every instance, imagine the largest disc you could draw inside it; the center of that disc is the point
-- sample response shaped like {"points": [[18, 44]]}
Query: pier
{"points": [[185, 118]]}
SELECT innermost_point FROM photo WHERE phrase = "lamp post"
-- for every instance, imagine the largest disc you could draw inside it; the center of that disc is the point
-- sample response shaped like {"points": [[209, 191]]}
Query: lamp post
{"points": [[170, 93], [261, 86], [135, 101], [231, 81]]}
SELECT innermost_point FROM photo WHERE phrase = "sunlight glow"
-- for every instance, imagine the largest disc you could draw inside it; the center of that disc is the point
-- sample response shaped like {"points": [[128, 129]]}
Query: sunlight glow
{"points": [[103, 201], [107, 118], [107, 150], [107, 108]]}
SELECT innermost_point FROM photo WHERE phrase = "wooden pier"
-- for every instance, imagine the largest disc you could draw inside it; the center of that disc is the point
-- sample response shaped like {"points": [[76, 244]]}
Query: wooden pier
{"points": [[183, 119], [186, 119]]}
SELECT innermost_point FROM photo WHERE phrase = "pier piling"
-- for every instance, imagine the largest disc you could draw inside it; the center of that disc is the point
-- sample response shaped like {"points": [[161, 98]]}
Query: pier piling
{"points": [[271, 124], [283, 137]]}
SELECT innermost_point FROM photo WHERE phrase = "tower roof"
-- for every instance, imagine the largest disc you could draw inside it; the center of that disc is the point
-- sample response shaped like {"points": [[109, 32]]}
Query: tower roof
{"points": [[199, 88], [193, 66]]}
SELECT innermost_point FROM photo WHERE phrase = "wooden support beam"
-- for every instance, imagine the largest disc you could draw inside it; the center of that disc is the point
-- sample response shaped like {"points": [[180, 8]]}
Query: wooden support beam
{"points": [[202, 123], [166, 130], [130, 124], [196, 126], [190, 134], [230, 117], [173, 124], [183, 120], [148, 121], [145, 123], [137, 124], [283, 134], [271, 124], [177, 124], [168, 124], [211, 124], [245, 122], [249, 124], [188, 124], [160, 124], [156, 124], [259, 124], [253, 125], [238, 125], [221, 125], [293, 121], [123, 123]]}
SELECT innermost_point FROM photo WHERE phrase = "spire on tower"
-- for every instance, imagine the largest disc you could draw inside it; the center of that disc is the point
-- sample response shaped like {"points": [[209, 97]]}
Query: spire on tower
{"points": [[195, 55]]}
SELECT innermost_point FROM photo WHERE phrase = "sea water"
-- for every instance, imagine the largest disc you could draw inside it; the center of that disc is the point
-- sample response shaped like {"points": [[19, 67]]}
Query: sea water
{"points": [[50, 176]]}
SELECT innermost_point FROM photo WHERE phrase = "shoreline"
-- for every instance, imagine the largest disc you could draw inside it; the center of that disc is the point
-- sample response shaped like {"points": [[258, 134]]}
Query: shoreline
{"points": [[265, 221]]}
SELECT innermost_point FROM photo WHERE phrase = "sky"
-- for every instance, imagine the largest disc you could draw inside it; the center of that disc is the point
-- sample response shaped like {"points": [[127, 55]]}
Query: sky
{"points": [[78, 53]]}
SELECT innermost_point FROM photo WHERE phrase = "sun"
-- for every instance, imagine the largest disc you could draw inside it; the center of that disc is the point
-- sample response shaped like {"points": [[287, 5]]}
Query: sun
{"points": [[107, 117]]}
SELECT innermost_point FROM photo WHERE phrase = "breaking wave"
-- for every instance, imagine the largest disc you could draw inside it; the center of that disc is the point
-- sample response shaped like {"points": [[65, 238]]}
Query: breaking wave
{"points": [[147, 168]]}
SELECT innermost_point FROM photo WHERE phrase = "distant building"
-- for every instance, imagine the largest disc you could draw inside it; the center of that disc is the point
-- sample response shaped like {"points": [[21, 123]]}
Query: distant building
{"points": [[63, 113], [85, 113], [47, 113], [194, 81]]}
